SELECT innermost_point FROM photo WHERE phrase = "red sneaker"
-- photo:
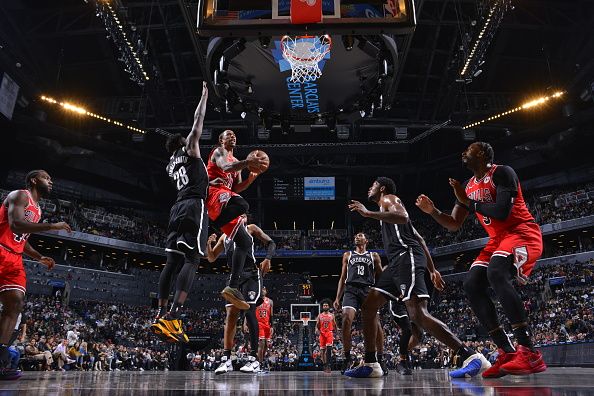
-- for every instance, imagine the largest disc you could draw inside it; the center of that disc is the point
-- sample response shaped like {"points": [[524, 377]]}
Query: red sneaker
{"points": [[495, 370], [524, 362]]}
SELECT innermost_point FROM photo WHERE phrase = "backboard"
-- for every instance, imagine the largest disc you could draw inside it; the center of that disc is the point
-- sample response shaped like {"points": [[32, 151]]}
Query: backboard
{"points": [[298, 311], [240, 18]]}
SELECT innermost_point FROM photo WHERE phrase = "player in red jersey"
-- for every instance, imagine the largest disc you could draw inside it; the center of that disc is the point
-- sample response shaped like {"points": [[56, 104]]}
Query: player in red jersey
{"points": [[325, 325], [226, 207], [264, 316], [19, 217], [494, 195]]}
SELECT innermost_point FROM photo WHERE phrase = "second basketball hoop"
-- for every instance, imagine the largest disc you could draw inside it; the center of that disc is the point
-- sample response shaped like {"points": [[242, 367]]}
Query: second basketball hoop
{"points": [[304, 54]]}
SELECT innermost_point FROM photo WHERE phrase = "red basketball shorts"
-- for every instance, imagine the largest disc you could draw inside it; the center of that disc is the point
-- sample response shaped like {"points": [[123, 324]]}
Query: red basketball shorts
{"points": [[216, 202], [264, 331], [523, 241], [12, 272], [326, 339]]}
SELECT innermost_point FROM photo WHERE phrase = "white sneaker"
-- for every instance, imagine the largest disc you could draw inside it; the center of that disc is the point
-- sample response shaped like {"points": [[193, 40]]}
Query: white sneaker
{"points": [[225, 366], [253, 366]]}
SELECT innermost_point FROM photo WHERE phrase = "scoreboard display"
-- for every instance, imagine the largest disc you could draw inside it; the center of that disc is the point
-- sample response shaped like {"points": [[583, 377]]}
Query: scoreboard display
{"points": [[304, 188]]}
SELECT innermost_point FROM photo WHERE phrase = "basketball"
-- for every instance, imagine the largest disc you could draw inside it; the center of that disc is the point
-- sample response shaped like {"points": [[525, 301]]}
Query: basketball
{"points": [[261, 154]]}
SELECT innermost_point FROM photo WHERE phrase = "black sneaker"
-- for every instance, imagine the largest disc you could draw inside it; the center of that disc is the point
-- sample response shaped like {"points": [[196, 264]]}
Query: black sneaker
{"points": [[403, 368], [234, 296]]}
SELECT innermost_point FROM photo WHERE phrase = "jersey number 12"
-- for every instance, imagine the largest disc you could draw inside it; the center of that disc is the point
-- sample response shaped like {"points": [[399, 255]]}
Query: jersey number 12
{"points": [[181, 177]]}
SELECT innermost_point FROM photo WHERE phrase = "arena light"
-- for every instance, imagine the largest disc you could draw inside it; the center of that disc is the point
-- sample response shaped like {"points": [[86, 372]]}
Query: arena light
{"points": [[526, 106], [82, 111]]}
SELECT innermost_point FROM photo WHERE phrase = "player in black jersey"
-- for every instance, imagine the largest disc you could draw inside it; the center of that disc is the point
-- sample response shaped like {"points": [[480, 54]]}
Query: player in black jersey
{"points": [[403, 279], [360, 269], [250, 285], [187, 231]]}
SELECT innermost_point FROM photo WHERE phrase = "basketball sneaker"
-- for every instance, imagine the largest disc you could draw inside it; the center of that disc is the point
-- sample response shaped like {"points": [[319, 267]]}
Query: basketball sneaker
{"points": [[365, 370], [524, 362], [403, 368], [472, 366], [495, 370], [225, 366], [252, 366], [170, 330], [234, 296], [9, 374]]}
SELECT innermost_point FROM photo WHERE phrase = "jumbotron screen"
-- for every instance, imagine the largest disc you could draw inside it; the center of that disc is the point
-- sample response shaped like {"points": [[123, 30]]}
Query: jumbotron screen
{"points": [[304, 188]]}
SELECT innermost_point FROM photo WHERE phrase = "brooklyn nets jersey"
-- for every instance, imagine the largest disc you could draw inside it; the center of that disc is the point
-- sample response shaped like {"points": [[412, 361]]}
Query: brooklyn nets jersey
{"points": [[360, 269], [399, 238], [188, 175]]}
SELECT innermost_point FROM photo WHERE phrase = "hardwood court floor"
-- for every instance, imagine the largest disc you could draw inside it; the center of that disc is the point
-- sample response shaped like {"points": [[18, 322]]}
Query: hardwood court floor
{"points": [[555, 381]]}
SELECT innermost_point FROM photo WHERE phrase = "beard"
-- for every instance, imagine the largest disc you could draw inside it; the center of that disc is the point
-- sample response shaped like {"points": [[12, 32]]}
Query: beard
{"points": [[44, 190]]}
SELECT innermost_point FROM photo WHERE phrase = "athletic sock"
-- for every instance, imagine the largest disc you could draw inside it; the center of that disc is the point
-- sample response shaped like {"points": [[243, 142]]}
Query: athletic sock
{"points": [[522, 336], [161, 312], [370, 357], [227, 352], [502, 340], [380, 357]]}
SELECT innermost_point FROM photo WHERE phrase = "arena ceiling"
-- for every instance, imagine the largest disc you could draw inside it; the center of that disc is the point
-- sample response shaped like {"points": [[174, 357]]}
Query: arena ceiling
{"points": [[62, 50]]}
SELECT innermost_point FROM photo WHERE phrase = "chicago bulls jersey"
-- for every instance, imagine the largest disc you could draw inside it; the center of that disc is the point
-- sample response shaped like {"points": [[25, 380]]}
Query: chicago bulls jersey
{"points": [[10, 240], [219, 177], [264, 311], [326, 320], [485, 190]]}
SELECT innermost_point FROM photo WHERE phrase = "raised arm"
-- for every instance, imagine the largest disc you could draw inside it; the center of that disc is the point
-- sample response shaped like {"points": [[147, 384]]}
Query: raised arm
{"points": [[244, 184], [342, 280], [392, 211], [193, 139], [451, 222], [17, 202], [220, 158], [214, 247]]}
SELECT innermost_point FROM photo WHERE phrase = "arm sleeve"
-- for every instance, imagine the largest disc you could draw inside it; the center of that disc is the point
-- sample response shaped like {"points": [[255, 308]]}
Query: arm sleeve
{"points": [[270, 249], [506, 181]]}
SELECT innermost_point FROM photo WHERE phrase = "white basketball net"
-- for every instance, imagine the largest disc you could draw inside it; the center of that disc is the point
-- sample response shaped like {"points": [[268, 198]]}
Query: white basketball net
{"points": [[303, 54]]}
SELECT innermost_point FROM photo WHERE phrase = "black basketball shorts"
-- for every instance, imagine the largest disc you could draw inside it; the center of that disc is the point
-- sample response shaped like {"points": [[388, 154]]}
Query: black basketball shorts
{"points": [[187, 231], [398, 309], [250, 285], [354, 295], [404, 277]]}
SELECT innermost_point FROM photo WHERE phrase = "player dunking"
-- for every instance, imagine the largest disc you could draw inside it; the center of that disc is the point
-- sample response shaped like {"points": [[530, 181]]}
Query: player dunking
{"points": [[226, 206], [403, 279], [360, 269], [264, 316], [250, 284], [19, 217], [494, 195], [325, 325], [187, 230]]}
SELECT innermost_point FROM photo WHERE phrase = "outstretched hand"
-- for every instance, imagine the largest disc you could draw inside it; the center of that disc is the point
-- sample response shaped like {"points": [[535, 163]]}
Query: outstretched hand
{"points": [[459, 191], [356, 206]]}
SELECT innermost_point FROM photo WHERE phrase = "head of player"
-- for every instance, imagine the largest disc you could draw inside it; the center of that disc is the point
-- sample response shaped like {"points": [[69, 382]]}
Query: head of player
{"points": [[361, 240], [478, 156], [228, 140], [326, 306], [264, 291], [40, 181], [174, 143], [381, 186]]}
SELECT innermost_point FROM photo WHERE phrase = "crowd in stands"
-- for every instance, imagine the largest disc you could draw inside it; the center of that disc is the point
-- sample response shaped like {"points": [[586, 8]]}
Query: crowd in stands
{"points": [[93, 335]]}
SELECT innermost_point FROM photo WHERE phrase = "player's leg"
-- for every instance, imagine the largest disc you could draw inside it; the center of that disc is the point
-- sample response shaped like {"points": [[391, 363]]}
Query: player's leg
{"points": [[228, 339], [379, 345], [516, 257], [13, 302], [235, 207], [252, 288], [370, 368], [400, 315], [348, 316], [243, 246]]}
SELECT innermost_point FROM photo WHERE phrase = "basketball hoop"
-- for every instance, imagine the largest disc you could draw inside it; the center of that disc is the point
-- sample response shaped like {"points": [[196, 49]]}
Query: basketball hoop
{"points": [[305, 318], [303, 54]]}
